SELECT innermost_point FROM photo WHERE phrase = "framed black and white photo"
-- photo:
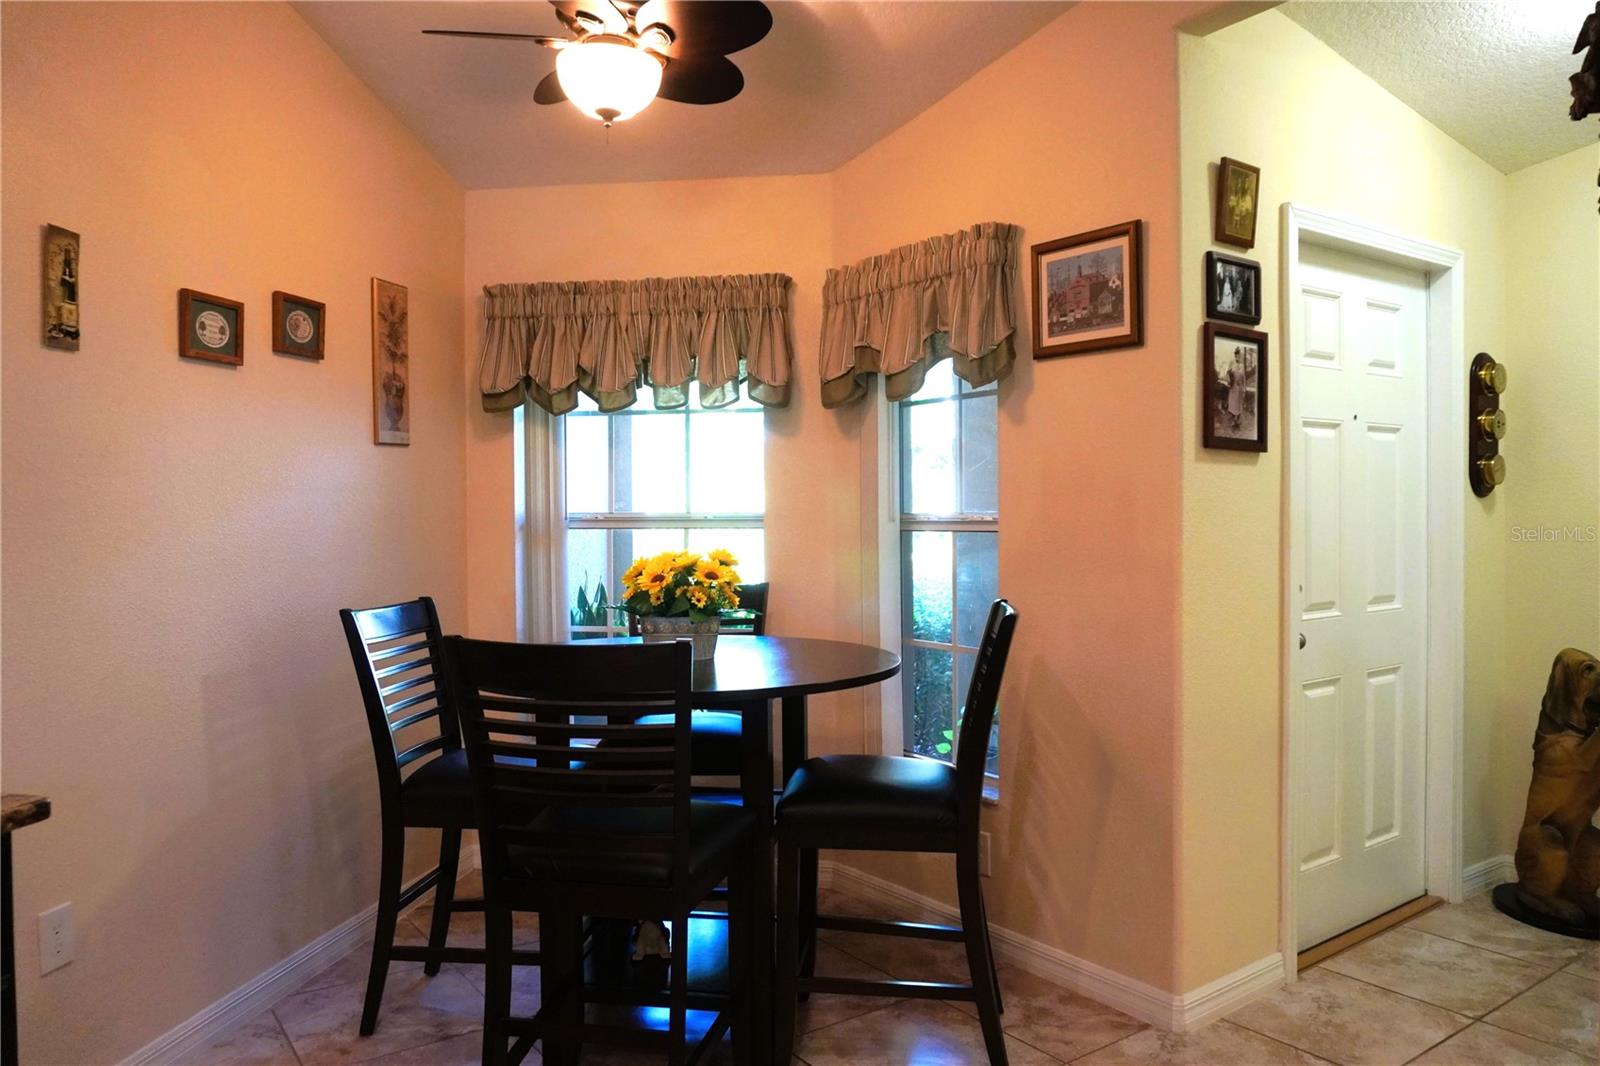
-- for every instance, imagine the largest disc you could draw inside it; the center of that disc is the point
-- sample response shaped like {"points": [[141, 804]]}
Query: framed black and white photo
{"points": [[298, 325], [1233, 288], [1233, 388], [1238, 194], [1088, 292], [210, 327]]}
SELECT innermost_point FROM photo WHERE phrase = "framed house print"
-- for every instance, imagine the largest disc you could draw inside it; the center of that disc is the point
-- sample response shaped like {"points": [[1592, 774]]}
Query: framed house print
{"points": [[210, 327], [60, 289], [1238, 192], [1088, 292], [298, 325], [1233, 288], [391, 364], [1233, 388]]}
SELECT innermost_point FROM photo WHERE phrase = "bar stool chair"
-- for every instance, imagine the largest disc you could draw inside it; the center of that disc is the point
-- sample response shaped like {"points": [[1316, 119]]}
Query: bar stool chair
{"points": [[715, 750], [648, 851], [396, 650], [893, 803]]}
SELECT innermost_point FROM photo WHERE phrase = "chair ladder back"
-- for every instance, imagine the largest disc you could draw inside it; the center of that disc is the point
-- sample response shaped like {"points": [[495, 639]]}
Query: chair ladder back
{"points": [[983, 696], [396, 651], [752, 598], [526, 710]]}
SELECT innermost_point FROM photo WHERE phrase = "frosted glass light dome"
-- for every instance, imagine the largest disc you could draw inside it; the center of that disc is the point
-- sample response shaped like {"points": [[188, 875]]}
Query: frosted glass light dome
{"points": [[608, 78]]}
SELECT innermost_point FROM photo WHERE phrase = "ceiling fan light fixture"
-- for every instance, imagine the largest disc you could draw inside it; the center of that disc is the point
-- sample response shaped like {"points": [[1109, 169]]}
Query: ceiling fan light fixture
{"points": [[608, 77]]}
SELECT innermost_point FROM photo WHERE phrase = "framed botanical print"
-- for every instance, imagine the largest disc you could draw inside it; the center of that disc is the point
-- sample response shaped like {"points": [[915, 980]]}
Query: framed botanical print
{"points": [[210, 327], [1233, 388], [60, 303], [1088, 292], [391, 364], [1238, 193], [298, 325], [1233, 288]]}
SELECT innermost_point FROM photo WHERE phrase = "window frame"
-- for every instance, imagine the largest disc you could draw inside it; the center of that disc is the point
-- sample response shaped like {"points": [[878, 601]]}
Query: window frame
{"points": [[908, 522], [633, 520]]}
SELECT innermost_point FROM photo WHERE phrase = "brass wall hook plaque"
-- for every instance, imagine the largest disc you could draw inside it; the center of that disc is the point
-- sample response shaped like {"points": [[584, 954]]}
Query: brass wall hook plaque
{"points": [[1486, 426]]}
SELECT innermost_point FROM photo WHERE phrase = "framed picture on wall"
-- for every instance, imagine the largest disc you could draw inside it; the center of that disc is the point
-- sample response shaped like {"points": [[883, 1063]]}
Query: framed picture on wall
{"points": [[1233, 288], [1088, 292], [60, 289], [1238, 193], [210, 327], [1233, 388], [391, 364], [298, 325]]}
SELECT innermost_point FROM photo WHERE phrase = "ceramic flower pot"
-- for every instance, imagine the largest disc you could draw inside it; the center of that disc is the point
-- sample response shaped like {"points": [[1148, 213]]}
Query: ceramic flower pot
{"points": [[704, 634]]}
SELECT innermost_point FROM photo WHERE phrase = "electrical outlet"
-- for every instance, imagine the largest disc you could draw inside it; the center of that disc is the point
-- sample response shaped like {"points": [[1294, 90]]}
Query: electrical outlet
{"points": [[984, 852], [55, 938]]}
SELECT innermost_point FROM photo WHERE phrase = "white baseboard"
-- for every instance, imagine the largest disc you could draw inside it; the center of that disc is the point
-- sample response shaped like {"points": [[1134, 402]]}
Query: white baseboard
{"points": [[1145, 1002], [256, 995], [1482, 876]]}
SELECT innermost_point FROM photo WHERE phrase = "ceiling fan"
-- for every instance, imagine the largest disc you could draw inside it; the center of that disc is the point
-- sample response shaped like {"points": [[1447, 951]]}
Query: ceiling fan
{"points": [[625, 53]]}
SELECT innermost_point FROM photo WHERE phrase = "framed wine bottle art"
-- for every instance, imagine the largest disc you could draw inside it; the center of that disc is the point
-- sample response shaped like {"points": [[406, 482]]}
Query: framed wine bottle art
{"points": [[60, 303]]}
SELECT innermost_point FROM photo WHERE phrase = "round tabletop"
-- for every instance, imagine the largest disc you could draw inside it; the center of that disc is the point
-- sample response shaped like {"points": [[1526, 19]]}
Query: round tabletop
{"points": [[764, 668]]}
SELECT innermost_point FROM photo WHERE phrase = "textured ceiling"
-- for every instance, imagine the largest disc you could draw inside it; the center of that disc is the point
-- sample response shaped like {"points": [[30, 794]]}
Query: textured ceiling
{"points": [[828, 81], [1492, 75]]}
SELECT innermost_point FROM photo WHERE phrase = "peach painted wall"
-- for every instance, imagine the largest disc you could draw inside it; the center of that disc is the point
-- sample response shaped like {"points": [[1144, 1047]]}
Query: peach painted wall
{"points": [[178, 536], [740, 225]]}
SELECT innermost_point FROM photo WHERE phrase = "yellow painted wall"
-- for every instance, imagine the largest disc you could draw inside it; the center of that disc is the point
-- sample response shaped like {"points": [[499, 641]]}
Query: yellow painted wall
{"points": [[179, 535], [1329, 138], [1552, 450]]}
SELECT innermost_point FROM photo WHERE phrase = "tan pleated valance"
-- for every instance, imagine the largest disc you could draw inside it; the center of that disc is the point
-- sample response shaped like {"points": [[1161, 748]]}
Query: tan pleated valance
{"points": [[898, 313], [544, 342]]}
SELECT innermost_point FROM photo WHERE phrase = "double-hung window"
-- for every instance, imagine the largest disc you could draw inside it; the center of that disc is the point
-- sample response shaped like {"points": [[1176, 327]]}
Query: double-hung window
{"points": [[949, 558], [641, 481]]}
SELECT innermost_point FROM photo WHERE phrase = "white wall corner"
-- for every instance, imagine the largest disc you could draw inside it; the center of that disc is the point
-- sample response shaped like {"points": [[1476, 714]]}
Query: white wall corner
{"points": [[1147, 1003]]}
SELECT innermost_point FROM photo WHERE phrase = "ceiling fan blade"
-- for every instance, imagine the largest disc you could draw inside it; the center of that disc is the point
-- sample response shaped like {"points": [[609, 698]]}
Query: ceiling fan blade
{"points": [[707, 27], [549, 90], [537, 38], [700, 79]]}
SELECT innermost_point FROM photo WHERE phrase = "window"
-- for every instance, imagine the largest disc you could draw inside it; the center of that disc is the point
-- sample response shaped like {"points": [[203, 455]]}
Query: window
{"points": [[949, 558], [641, 481]]}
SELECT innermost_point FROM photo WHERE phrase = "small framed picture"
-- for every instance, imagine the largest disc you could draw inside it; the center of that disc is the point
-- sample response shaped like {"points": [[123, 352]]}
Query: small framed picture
{"points": [[60, 289], [210, 327], [1233, 288], [1233, 388], [391, 364], [1088, 292], [298, 325], [1238, 191]]}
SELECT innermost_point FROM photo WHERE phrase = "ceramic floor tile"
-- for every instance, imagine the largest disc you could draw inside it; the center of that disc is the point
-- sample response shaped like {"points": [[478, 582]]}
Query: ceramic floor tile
{"points": [[322, 1023], [355, 964], [1446, 973], [466, 928], [910, 1033], [1485, 1045], [905, 958], [821, 1010], [463, 1050], [258, 1042], [1587, 964], [1476, 922], [1563, 1009], [1212, 1045], [1348, 1021], [1055, 1019]]}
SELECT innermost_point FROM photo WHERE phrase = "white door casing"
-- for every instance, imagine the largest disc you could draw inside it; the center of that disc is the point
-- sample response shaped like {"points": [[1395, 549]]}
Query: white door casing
{"points": [[1358, 589]]}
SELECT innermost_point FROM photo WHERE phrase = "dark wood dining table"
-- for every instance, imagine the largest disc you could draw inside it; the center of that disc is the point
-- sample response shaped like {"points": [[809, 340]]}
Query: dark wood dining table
{"points": [[754, 675]]}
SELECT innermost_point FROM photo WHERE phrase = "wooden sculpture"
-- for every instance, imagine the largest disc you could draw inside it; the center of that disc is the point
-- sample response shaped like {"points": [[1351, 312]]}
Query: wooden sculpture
{"points": [[1558, 850], [1586, 83]]}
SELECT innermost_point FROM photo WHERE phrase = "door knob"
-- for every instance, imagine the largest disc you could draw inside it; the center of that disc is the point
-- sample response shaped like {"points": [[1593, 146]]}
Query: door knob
{"points": [[1302, 640]]}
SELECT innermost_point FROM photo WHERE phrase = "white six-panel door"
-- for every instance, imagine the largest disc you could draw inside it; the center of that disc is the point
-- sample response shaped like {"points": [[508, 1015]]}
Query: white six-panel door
{"points": [[1358, 561]]}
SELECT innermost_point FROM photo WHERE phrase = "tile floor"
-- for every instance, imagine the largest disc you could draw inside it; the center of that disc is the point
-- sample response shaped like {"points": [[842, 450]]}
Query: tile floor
{"points": [[1459, 985]]}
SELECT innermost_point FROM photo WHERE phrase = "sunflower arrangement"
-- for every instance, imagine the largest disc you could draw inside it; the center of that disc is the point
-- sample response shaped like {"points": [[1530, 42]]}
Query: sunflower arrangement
{"points": [[682, 584]]}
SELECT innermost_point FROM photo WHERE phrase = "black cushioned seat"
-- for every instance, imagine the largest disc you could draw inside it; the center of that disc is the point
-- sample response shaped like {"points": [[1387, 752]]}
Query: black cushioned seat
{"points": [[888, 792], [439, 791], [714, 830], [714, 748]]}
